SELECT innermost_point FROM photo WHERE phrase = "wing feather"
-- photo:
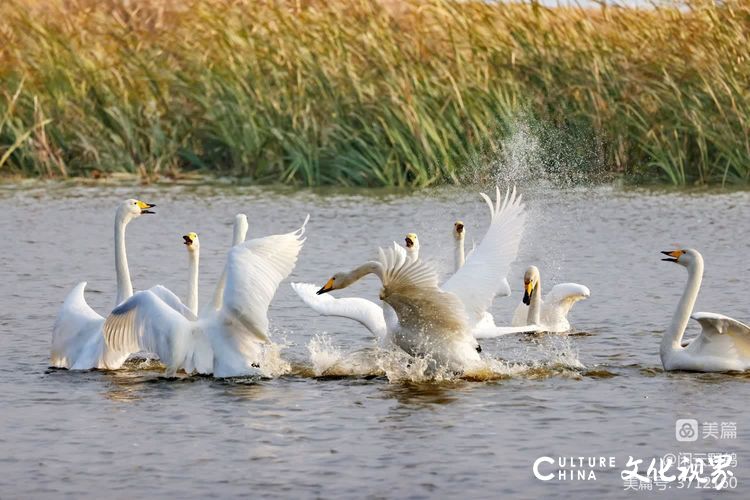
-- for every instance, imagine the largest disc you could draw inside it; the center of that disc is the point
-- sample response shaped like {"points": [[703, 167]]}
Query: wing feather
{"points": [[145, 322], [361, 310], [254, 271], [484, 274]]}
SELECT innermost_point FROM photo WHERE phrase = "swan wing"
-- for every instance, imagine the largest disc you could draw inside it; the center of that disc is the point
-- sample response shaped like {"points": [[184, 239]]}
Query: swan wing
{"points": [[721, 335], [361, 310], [145, 322], [484, 274], [75, 326], [558, 302], [173, 301], [411, 289], [254, 271]]}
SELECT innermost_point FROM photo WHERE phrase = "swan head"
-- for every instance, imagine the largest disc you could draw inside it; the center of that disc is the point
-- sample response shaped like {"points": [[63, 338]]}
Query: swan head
{"points": [[683, 257], [530, 283], [458, 230], [411, 241], [132, 208], [192, 242], [338, 280]]}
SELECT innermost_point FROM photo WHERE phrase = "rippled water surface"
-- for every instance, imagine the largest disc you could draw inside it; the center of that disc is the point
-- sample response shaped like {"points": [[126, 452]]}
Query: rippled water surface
{"points": [[337, 425]]}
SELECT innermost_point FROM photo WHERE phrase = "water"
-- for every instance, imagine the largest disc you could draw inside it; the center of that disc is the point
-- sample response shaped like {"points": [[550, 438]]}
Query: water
{"points": [[353, 432]]}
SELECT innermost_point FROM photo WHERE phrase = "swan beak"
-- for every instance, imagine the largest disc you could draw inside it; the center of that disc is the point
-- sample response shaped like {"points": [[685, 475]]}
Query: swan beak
{"points": [[326, 288], [409, 242], [188, 240], [145, 207], [528, 289], [674, 255], [459, 227]]}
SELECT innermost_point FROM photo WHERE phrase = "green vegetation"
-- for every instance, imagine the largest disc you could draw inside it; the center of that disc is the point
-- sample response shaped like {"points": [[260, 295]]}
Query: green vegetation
{"points": [[359, 92]]}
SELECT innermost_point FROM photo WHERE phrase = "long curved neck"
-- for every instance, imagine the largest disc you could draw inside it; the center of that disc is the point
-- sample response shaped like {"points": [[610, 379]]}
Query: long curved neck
{"points": [[535, 306], [360, 272], [458, 253], [672, 339], [194, 260], [124, 286]]}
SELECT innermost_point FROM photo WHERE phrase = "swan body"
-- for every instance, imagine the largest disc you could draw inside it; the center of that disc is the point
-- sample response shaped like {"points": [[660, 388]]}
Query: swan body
{"points": [[551, 313], [227, 342], [425, 320], [723, 344], [77, 341]]}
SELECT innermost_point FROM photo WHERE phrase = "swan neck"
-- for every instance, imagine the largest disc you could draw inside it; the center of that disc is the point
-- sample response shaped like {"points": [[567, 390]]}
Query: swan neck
{"points": [[413, 253], [193, 261], [672, 340], [360, 272], [458, 254], [124, 286]]}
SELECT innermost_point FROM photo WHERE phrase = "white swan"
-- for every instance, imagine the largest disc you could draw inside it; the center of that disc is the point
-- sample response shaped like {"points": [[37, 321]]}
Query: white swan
{"points": [[227, 342], [77, 341], [467, 294], [370, 314], [423, 319], [723, 344], [550, 314]]}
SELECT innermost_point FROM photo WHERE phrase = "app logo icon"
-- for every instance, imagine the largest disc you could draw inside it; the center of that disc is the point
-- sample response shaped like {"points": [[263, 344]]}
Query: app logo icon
{"points": [[686, 429]]}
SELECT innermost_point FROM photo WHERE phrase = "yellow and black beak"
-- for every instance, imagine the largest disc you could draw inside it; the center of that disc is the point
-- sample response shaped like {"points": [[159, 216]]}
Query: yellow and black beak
{"points": [[188, 239], [674, 255], [145, 207], [459, 227], [528, 291], [327, 287], [409, 242]]}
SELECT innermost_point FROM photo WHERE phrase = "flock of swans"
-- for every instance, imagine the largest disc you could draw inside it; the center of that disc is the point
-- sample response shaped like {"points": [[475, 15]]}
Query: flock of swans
{"points": [[417, 314]]}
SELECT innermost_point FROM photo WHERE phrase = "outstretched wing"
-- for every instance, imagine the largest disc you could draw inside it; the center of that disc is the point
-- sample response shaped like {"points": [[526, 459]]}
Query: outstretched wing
{"points": [[173, 301], [411, 289], [362, 310], [75, 326], [145, 322], [254, 271], [238, 236], [717, 324], [484, 274]]}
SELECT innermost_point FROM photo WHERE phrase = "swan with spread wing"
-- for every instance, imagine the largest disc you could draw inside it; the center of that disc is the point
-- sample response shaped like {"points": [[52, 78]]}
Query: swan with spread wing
{"points": [[227, 342], [551, 313], [77, 341], [506, 226], [424, 318], [723, 344]]}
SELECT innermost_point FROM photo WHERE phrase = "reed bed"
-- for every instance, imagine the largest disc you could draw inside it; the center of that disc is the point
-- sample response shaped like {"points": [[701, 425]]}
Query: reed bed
{"points": [[367, 92]]}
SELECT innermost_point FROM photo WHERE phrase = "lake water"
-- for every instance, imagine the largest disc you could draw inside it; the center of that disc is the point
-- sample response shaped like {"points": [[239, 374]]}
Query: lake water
{"points": [[335, 426]]}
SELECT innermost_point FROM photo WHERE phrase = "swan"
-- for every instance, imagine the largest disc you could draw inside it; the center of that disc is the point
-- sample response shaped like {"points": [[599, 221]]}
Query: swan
{"points": [[723, 344], [550, 314], [227, 342], [371, 315], [446, 326], [77, 341]]}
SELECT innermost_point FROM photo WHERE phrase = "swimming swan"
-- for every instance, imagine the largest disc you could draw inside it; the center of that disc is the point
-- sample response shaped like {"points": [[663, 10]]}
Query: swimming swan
{"points": [[77, 341], [723, 344], [227, 342], [550, 314]]}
